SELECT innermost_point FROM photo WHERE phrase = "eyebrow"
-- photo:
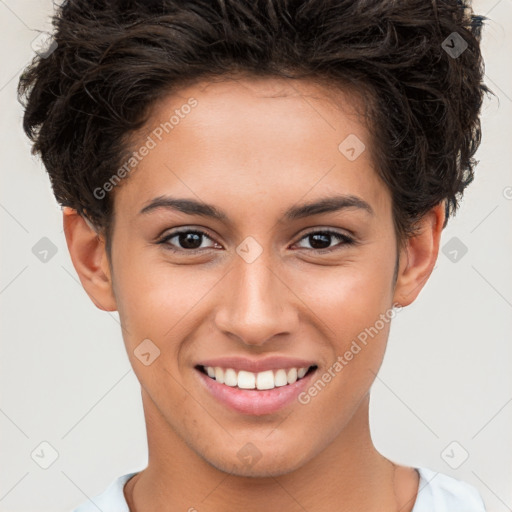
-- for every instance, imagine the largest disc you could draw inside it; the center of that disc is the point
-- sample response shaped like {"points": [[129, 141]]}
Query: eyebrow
{"points": [[319, 206]]}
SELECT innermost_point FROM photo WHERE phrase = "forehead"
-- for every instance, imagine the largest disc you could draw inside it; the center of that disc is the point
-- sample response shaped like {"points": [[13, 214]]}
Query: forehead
{"points": [[270, 138]]}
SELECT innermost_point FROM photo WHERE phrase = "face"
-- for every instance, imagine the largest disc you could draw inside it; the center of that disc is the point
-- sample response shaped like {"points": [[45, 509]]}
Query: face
{"points": [[265, 285]]}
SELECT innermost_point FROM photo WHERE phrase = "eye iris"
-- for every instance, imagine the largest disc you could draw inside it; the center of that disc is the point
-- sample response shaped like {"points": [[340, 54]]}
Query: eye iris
{"points": [[188, 240], [320, 237]]}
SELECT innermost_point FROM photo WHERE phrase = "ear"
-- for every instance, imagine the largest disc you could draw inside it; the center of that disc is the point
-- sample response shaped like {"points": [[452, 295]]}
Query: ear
{"points": [[89, 257], [418, 257]]}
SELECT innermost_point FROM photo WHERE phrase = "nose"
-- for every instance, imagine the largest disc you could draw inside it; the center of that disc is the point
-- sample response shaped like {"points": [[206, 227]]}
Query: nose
{"points": [[257, 303]]}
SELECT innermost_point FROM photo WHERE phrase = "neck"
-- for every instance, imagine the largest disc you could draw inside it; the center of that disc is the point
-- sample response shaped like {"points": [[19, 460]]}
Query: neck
{"points": [[350, 474]]}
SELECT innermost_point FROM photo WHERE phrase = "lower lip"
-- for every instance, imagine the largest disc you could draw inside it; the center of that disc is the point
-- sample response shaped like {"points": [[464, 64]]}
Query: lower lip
{"points": [[251, 401]]}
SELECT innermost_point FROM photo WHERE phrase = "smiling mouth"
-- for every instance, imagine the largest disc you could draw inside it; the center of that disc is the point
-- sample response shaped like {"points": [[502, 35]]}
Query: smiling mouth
{"points": [[268, 379]]}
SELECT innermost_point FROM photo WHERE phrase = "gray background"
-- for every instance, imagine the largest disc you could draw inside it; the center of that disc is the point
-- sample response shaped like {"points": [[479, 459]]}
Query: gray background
{"points": [[66, 380]]}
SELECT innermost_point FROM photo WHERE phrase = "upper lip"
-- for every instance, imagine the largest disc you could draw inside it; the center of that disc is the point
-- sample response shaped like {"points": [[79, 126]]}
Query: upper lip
{"points": [[257, 365]]}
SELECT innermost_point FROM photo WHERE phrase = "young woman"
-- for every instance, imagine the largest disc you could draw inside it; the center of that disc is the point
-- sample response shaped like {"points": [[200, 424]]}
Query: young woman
{"points": [[257, 187]]}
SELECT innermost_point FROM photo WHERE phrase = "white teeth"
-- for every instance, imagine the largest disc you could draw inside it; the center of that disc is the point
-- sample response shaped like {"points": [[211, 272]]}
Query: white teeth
{"points": [[267, 379], [246, 380], [219, 375], [280, 378], [230, 378], [301, 372], [291, 376]]}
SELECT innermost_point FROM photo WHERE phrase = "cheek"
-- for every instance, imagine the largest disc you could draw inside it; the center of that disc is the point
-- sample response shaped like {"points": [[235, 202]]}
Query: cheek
{"points": [[161, 302], [347, 298], [353, 304], [155, 295]]}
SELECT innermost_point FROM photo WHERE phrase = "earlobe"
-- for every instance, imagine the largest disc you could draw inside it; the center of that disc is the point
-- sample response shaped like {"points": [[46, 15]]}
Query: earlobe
{"points": [[419, 256], [87, 250]]}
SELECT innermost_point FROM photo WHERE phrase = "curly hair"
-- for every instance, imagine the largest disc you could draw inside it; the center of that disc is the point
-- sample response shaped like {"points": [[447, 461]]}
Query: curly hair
{"points": [[114, 59]]}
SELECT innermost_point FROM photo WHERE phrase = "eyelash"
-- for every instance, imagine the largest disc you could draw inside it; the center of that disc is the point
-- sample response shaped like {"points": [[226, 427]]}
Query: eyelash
{"points": [[342, 237]]}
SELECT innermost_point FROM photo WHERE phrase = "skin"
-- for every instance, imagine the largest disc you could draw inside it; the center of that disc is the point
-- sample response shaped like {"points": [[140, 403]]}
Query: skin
{"points": [[253, 148]]}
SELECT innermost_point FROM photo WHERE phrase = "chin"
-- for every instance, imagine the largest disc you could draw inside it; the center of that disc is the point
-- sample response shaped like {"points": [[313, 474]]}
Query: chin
{"points": [[258, 464]]}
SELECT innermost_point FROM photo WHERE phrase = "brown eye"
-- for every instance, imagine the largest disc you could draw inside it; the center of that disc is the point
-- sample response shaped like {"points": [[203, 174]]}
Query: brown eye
{"points": [[321, 240], [185, 240]]}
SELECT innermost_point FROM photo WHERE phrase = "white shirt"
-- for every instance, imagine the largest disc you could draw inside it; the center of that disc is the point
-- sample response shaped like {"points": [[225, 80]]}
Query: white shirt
{"points": [[436, 493]]}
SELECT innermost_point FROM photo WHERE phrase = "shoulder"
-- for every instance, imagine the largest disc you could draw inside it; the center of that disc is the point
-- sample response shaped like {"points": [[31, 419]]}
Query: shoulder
{"points": [[110, 500], [438, 492]]}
